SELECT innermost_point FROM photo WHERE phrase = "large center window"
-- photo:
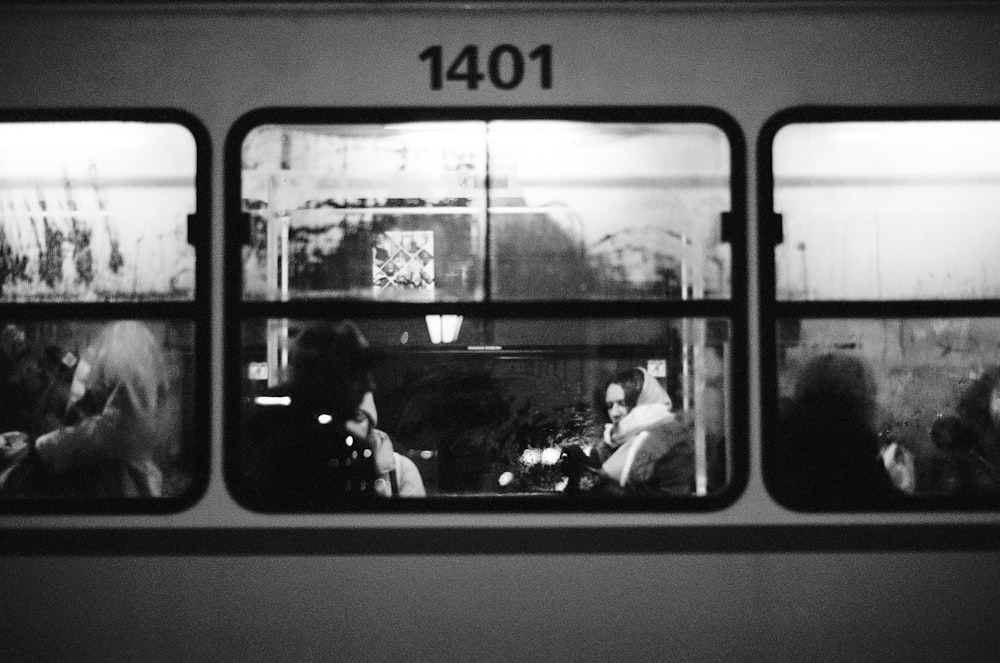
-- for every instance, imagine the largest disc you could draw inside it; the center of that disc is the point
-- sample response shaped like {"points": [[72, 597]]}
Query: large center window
{"points": [[520, 310]]}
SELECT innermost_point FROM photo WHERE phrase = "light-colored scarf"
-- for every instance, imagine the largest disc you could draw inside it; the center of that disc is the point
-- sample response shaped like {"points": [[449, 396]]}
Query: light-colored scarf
{"points": [[652, 409]]}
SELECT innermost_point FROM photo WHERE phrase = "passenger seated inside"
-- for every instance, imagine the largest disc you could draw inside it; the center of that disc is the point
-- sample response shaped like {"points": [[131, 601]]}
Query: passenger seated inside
{"points": [[646, 448], [123, 425], [313, 441], [979, 411], [51, 409], [961, 468], [20, 380], [828, 451]]}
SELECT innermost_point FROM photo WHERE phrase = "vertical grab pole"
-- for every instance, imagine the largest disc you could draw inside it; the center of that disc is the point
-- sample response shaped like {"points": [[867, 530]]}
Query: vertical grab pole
{"points": [[276, 276], [271, 286], [283, 323], [694, 261], [685, 334], [700, 451]]}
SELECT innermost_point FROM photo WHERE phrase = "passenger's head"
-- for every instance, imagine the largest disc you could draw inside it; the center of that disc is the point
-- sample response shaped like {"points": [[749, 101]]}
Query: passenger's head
{"points": [[54, 361], [126, 357], [837, 384], [13, 341], [364, 419], [629, 388], [620, 394], [995, 404], [829, 443], [950, 433], [979, 406], [330, 369]]}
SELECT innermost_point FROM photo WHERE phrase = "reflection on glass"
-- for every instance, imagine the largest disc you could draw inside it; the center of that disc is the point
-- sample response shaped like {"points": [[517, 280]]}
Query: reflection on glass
{"points": [[96, 211], [608, 211], [96, 410], [365, 211], [888, 210], [513, 407], [569, 210], [933, 394]]}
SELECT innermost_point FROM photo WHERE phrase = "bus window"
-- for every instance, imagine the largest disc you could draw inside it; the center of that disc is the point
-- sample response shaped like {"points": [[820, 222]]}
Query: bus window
{"points": [[884, 364], [96, 211], [403, 211], [888, 210], [531, 313], [98, 410], [608, 211], [509, 405], [102, 339], [384, 212]]}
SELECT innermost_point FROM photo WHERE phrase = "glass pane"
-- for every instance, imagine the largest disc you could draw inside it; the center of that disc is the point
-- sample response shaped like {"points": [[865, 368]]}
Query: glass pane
{"points": [[107, 406], [579, 210], [509, 407], [608, 211], [96, 211], [871, 408], [387, 212], [888, 210]]}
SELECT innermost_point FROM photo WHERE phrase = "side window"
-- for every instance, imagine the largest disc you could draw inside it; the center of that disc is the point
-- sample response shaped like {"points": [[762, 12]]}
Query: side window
{"points": [[104, 313], [443, 307], [880, 292], [608, 211], [365, 212]]}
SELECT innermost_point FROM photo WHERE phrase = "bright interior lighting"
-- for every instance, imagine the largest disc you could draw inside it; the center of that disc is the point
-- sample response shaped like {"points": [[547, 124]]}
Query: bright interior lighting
{"points": [[443, 328], [273, 400], [450, 326]]}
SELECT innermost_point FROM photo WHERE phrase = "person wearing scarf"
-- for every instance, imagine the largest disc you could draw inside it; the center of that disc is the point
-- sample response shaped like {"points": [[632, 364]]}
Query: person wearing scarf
{"points": [[398, 476], [313, 445], [646, 447]]}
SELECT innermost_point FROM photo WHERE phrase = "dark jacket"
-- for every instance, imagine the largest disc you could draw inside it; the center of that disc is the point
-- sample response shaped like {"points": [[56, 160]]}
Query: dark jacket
{"points": [[296, 459], [653, 457], [824, 459]]}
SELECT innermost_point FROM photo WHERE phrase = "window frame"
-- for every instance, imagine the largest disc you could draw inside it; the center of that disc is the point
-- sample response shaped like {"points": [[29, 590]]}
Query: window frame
{"points": [[195, 311], [733, 309], [772, 310]]}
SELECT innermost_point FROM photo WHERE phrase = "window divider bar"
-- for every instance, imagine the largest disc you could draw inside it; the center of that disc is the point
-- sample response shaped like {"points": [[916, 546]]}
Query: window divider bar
{"points": [[542, 310], [888, 309]]}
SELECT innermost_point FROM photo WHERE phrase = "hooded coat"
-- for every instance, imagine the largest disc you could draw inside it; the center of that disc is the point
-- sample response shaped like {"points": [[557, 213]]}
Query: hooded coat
{"points": [[649, 449], [397, 474]]}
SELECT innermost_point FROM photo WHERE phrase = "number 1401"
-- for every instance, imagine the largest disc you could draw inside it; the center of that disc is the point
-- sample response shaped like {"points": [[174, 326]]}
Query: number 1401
{"points": [[505, 67]]}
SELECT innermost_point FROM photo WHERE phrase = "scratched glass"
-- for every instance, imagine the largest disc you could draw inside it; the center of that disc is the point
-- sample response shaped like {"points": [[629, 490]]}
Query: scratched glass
{"points": [[377, 212], [97, 413], [934, 392], [406, 212], [608, 211], [888, 210], [96, 211], [494, 411]]}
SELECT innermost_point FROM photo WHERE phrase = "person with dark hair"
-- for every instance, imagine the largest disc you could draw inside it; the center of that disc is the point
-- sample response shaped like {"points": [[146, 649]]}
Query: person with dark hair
{"points": [[961, 468], [21, 379], [313, 441], [52, 407], [645, 447], [827, 452], [979, 413]]}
